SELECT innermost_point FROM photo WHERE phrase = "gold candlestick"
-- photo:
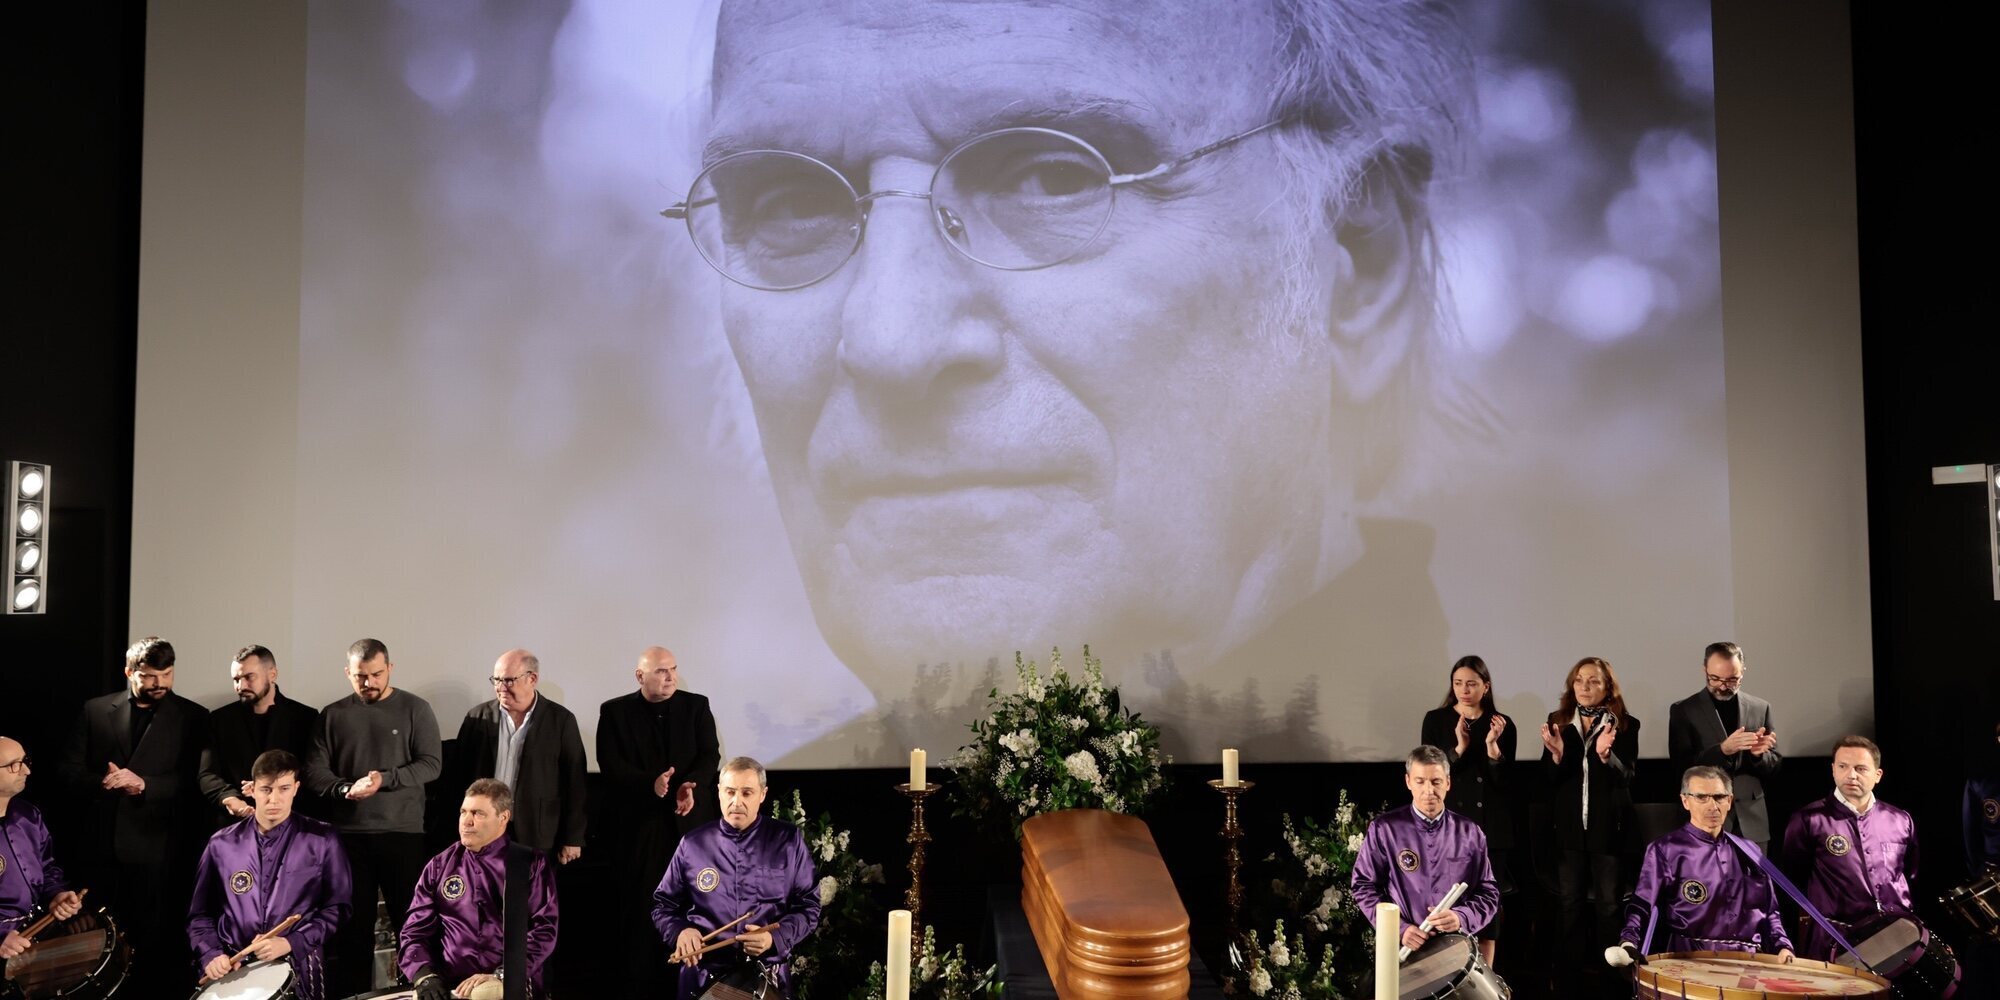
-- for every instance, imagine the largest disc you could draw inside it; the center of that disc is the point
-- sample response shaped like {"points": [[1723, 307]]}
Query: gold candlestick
{"points": [[914, 899], [1232, 893]]}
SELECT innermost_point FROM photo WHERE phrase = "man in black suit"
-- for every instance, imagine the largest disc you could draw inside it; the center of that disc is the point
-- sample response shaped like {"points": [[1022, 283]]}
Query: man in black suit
{"points": [[259, 719], [134, 760], [1723, 727], [658, 754], [533, 746]]}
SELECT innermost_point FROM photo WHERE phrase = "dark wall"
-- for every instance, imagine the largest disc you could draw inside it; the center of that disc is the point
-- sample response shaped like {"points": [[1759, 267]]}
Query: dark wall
{"points": [[75, 82], [68, 363]]}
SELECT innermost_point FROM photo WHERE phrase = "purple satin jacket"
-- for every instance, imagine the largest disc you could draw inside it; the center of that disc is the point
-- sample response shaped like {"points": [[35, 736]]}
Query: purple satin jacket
{"points": [[1411, 863], [1851, 867], [29, 876], [248, 882], [1709, 896], [719, 873], [456, 926]]}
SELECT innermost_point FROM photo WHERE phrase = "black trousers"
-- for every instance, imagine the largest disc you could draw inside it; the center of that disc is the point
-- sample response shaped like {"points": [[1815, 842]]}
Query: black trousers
{"points": [[150, 902], [1590, 896], [388, 863], [642, 863]]}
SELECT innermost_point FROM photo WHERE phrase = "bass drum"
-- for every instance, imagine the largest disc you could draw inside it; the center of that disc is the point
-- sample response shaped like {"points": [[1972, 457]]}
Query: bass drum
{"points": [[1917, 965], [83, 958], [1449, 966], [1740, 975], [257, 981]]}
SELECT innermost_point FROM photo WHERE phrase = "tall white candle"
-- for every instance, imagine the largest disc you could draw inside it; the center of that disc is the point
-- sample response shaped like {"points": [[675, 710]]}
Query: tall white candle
{"points": [[899, 954], [919, 769], [1388, 937], [1229, 779]]}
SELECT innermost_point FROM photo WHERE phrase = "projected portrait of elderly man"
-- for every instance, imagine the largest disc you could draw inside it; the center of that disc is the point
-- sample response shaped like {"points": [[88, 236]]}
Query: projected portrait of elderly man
{"points": [[1074, 321]]}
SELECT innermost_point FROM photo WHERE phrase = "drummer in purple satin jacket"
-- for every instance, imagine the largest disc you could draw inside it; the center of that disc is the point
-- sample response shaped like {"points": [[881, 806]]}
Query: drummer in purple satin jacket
{"points": [[259, 870], [1412, 857], [1982, 815], [740, 864], [29, 876], [1854, 854], [1710, 896], [454, 940]]}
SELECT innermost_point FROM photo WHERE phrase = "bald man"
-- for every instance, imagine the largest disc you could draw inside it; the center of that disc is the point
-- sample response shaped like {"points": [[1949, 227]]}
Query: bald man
{"points": [[657, 750], [526, 741], [29, 877]]}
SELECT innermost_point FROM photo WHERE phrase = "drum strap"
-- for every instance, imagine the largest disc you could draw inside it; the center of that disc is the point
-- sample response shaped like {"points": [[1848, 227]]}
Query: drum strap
{"points": [[514, 922], [1778, 879]]}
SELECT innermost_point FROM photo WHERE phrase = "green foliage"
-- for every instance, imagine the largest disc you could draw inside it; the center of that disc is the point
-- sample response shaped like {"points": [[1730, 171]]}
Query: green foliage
{"points": [[1330, 952], [1056, 744], [830, 962], [935, 976]]}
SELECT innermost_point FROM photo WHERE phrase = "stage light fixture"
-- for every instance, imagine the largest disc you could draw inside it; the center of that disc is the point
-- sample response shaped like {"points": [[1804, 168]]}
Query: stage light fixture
{"points": [[27, 517]]}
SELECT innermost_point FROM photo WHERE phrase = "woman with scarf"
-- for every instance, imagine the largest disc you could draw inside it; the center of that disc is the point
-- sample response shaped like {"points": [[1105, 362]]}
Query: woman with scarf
{"points": [[1589, 747]]}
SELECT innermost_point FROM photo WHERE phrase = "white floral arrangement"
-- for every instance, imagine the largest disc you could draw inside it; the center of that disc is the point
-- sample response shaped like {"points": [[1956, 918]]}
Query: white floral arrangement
{"points": [[1057, 743], [1311, 888], [936, 975], [830, 962]]}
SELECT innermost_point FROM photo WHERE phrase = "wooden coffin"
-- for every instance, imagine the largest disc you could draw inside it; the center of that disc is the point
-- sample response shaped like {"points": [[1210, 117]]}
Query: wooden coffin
{"points": [[1102, 906]]}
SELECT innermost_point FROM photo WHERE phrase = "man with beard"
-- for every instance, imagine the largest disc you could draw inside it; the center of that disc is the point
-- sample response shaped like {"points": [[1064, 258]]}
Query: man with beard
{"points": [[744, 866], [1721, 726], [263, 868], [372, 755], [658, 753], [260, 719], [135, 758], [29, 876]]}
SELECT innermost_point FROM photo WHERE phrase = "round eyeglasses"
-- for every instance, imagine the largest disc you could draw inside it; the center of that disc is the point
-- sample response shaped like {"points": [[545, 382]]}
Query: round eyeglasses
{"points": [[1016, 199]]}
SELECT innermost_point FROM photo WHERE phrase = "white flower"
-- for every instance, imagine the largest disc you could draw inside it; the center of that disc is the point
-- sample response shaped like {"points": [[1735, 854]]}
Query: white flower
{"points": [[1128, 742], [1021, 742], [824, 848], [1082, 766], [1260, 981], [828, 888], [1114, 803], [799, 964], [1077, 722], [1354, 843], [1281, 956], [1316, 865], [843, 840], [1292, 992], [1345, 814]]}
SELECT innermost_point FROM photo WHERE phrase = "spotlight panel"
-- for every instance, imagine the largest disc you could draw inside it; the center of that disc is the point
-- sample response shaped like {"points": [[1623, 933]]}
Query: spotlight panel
{"points": [[1993, 524], [27, 518]]}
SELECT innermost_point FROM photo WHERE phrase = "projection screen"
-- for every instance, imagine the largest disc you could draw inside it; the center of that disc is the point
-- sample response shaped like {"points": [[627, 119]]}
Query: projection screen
{"points": [[1281, 357]]}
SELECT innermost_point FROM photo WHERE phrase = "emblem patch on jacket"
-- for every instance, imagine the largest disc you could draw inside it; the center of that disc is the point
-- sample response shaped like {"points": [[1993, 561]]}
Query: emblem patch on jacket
{"points": [[1406, 859], [1694, 892], [241, 882], [1837, 845], [707, 879], [454, 886]]}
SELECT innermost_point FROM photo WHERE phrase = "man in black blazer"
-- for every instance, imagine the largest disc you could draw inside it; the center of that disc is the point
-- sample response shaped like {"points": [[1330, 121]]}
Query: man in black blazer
{"points": [[658, 755], [260, 719], [133, 761], [1723, 727], [532, 745]]}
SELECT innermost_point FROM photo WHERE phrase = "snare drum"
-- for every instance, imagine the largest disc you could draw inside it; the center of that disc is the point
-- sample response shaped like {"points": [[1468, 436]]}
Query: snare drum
{"points": [[1917, 965], [1739, 975], [82, 958], [256, 981], [1448, 965], [1976, 904]]}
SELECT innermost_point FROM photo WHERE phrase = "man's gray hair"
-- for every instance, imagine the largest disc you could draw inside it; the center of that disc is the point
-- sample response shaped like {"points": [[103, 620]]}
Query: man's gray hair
{"points": [[1382, 94], [747, 764], [1699, 771], [1424, 756]]}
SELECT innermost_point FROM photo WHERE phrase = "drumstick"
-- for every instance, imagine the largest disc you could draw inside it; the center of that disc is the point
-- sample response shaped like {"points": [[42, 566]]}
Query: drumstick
{"points": [[283, 926], [48, 918], [1457, 889], [725, 942], [725, 927]]}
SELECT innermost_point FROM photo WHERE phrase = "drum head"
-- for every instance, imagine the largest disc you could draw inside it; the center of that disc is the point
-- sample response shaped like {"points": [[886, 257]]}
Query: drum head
{"points": [[256, 981], [1437, 968], [1709, 973], [1887, 946]]}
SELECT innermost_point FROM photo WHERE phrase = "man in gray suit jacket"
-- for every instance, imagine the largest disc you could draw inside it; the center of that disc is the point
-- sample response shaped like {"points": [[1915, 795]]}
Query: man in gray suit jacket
{"points": [[1721, 726], [532, 745]]}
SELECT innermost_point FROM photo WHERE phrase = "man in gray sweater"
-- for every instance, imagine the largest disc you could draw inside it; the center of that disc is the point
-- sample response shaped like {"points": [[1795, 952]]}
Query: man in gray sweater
{"points": [[372, 755]]}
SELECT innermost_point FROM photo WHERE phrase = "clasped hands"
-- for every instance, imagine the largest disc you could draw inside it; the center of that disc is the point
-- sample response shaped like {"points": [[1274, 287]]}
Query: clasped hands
{"points": [[1760, 742], [121, 779]]}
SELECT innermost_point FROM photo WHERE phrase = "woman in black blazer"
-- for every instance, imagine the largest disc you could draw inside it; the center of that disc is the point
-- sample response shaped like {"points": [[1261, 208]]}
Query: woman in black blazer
{"points": [[1589, 746], [1480, 743]]}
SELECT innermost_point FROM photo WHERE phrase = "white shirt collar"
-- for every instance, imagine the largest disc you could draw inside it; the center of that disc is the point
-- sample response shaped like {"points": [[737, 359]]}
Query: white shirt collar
{"points": [[1866, 805]]}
